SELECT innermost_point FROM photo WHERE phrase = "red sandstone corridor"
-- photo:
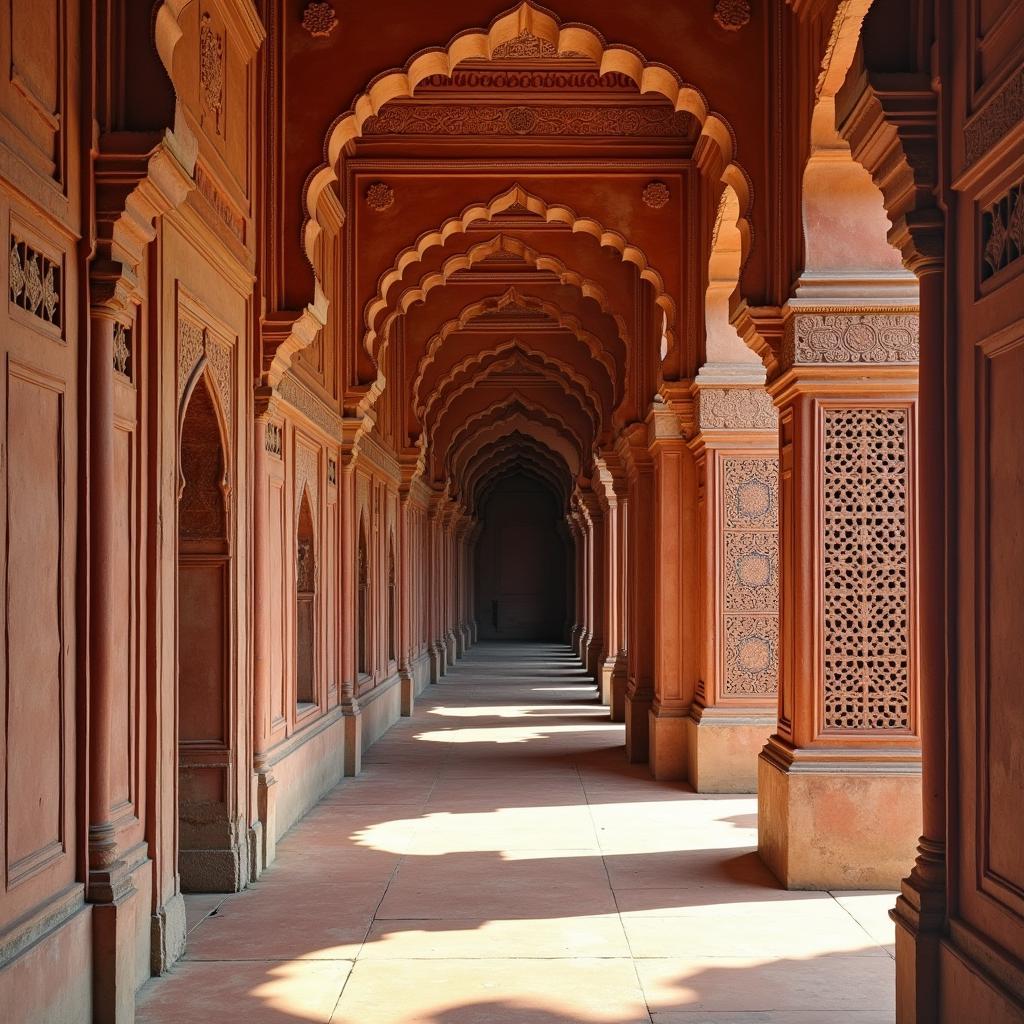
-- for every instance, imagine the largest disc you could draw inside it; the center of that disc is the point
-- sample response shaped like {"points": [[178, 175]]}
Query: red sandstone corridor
{"points": [[497, 862]]}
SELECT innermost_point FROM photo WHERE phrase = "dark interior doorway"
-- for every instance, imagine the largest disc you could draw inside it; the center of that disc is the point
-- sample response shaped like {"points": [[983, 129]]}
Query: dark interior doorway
{"points": [[520, 562]]}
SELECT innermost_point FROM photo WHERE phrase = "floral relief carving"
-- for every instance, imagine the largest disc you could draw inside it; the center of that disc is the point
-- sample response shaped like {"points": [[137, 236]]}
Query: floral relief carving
{"points": [[865, 484], [996, 119], [310, 406], [191, 346], [732, 15], [34, 281], [1002, 232], [851, 337], [272, 439], [736, 409], [750, 576], [122, 353], [319, 20], [656, 195], [307, 476], [211, 71], [527, 46], [380, 196], [218, 358]]}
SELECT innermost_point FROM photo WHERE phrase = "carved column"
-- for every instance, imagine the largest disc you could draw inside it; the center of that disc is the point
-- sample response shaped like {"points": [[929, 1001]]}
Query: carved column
{"points": [[407, 681], [450, 580], [576, 632], [610, 487], [435, 591], [673, 585], [642, 568], [839, 782], [595, 653], [735, 704], [349, 602]]}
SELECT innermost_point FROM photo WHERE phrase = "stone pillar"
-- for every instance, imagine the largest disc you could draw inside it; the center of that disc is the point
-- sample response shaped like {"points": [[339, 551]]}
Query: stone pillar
{"points": [[736, 701], [839, 782], [597, 608], [109, 886], [578, 613], [450, 581], [349, 599], [435, 592], [610, 488], [267, 432], [407, 681], [673, 583], [632, 449]]}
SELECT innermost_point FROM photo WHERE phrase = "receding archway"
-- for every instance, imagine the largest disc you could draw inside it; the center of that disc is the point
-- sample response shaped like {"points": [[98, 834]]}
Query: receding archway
{"points": [[520, 562]]}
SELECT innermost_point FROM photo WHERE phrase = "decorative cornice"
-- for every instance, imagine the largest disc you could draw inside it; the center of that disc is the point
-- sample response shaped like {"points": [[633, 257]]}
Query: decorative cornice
{"points": [[838, 336]]}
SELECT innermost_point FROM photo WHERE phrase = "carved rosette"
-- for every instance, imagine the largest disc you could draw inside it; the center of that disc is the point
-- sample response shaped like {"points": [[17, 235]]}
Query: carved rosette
{"points": [[319, 20], [732, 15], [832, 337], [736, 409], [656, 195], [380, 196], [750, 576]]}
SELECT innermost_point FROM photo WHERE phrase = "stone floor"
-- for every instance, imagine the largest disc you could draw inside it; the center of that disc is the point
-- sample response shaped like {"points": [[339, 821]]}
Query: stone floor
{"points": [[498, 862]]}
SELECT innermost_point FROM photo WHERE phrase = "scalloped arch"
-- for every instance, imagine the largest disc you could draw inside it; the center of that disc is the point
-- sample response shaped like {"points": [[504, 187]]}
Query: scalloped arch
{"points": [[564, 319], [479, 44], [552, 213], [551, 370], [464, 261]]}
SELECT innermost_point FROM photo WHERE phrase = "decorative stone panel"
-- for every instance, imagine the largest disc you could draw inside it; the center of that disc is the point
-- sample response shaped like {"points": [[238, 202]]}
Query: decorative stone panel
{"points": [[750, 576], [35, 282], [837, 337], [307, 476], [736, 409], [865, 497], [196, 344]]}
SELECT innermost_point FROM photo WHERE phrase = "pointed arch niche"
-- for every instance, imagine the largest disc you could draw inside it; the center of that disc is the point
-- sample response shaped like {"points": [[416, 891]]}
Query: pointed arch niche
{"points": [[305, 606], [204, 628]]}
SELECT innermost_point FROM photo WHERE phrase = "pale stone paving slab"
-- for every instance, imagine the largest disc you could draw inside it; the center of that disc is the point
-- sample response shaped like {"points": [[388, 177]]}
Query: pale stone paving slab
{"points": [[499, 862]]}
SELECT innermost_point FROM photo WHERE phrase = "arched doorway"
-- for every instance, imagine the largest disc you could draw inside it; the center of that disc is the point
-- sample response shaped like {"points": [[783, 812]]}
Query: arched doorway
{"points": [[520, 563]]}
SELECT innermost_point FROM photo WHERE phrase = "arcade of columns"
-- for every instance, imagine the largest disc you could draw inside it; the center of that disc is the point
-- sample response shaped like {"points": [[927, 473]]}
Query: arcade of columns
{"points": [[281, 323]]}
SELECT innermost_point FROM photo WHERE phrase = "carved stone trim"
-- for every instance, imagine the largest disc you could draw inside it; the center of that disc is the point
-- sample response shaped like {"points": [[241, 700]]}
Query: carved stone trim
{"points": [[35, 282], [1002, 232], [191, 346], [837, 337], [736, 409], [310, 406], [195, 343], [1000, 116], [122, 353]]}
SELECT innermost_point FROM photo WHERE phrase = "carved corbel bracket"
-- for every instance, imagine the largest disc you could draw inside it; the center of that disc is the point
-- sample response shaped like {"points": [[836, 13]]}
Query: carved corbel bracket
{"points": [[286, 332], [762, 329], [891, 124]]}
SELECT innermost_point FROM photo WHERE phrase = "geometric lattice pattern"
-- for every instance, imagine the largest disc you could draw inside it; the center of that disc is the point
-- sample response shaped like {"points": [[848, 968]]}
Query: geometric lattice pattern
{"points": [[750, 576], [866, 569]]}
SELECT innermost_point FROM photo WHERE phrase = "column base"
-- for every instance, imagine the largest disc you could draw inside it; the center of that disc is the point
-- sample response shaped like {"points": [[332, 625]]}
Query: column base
{"points": [[266, 808], [353, 739], [722, 747], [595, 659], [408, 692], [167, 929], [838, 823], [437, 662], [114, 941], [221, 869], [920, 918], [636, 713], [612, 681], [450, 648], [667, 743]]}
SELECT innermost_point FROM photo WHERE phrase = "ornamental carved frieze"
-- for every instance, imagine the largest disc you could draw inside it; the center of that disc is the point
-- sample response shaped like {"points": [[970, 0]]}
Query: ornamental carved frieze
{"points": [[211, 73], [272, 439], [1000, 116], [549, 79], [750, 576], [732, 15], [319, 20], [310, 406], [541, 120], [380, 196], [736, 409], [527, 46], [865, 483], [1002, 232], [656, 195], [842, 337]]}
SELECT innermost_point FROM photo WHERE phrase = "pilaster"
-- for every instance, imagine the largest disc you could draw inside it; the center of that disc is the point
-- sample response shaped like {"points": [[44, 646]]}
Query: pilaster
{"points": [[737, 466], [839, 781]]}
